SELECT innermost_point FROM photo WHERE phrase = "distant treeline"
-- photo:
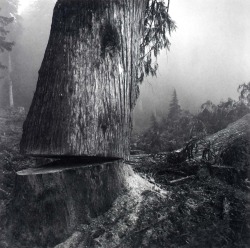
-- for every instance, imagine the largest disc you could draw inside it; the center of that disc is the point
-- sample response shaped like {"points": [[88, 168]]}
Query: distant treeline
{"points": [[179, 126]]}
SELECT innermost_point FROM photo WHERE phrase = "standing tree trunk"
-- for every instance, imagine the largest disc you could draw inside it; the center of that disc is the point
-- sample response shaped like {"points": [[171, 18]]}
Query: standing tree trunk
{"points": [[87, 81], [11, 99]]}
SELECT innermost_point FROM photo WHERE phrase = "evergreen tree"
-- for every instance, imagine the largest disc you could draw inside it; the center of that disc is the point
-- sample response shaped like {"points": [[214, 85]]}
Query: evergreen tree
{"points": [[31, 40], [9, 15], [174, 109], [4, 44], [150, 141], [154, 123], [244, 90], [217, 117]]}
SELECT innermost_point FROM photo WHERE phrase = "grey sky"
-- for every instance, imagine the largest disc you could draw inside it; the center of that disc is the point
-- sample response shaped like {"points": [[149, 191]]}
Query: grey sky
{"points": [[209, 55], [208, 59]]}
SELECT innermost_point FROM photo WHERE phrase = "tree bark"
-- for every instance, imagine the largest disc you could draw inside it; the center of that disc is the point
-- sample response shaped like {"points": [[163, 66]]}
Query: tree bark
{"points": [[46, 209], [86, 88], [85, 93], [11, 98]]}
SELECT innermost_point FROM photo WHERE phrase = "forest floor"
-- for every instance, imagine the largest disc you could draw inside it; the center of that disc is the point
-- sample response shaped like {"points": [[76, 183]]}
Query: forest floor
{"points": [[203, 210]]}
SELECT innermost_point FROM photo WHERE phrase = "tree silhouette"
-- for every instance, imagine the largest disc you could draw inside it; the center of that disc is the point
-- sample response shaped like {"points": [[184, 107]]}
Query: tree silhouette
{"points": [[244, 90], [4, 44], [174, 108]]}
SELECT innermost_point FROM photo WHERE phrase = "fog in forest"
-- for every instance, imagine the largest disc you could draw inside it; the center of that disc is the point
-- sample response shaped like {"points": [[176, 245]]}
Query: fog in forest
{"points": [[208, 57], [207, 60], [73, 173]]}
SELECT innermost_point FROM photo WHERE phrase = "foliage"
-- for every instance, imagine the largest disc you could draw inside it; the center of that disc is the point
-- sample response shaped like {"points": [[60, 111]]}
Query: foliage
{"points": [[176, 130], [166, 134], [217, 117], [30, 42], [174, 109], [152, 137], [9, 8], [157, 24], [10, 11], [244, 90], [5, 45]]}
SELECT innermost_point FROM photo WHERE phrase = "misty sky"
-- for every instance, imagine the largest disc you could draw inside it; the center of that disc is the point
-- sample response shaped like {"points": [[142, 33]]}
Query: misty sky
{"points": [[209, 56]]}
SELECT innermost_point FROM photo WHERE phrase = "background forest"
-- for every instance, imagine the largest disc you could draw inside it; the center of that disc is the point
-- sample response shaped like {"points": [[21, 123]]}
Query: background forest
{"points": [[29, 31], [173, 131]]}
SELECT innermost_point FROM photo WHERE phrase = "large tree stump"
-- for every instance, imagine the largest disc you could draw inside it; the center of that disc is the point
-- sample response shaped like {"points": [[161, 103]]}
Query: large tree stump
{"points": [[47, 208]]}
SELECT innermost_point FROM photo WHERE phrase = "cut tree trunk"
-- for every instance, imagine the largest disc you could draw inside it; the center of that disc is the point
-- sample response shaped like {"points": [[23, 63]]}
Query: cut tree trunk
{"points": [[87, 87], [82, 106]]}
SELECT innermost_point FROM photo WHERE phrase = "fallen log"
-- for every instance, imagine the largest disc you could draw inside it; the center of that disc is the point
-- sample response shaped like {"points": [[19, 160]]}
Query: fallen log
{"points": [[223, 144], [227, 160]]}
